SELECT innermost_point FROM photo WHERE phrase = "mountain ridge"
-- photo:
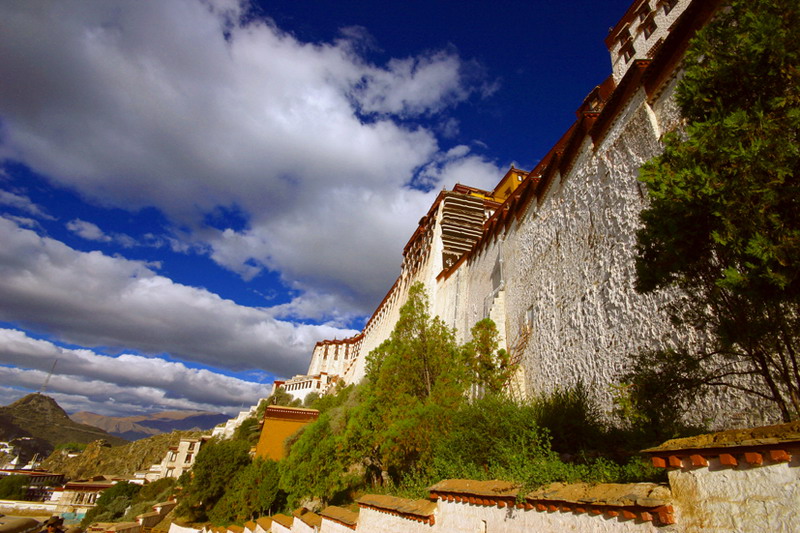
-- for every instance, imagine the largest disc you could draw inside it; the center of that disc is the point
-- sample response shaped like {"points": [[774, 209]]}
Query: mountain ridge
{"points": [[135, 427]]}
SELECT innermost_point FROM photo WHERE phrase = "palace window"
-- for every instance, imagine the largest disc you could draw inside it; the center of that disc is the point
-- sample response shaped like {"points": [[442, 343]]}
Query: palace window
{"points": [[627, 52], [649, 28], [668, 5], [644, 11]]}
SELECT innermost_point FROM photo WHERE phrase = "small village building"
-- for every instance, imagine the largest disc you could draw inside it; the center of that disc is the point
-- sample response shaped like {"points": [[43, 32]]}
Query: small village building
{"points": [[77, 497], [180, 458]]}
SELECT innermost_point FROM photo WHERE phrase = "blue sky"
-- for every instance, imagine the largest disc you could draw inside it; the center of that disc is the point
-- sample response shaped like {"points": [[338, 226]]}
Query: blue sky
{"points": [[194, 192]]}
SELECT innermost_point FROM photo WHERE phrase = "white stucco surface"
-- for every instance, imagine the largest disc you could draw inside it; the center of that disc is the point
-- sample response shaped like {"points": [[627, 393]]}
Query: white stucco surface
{"points": [[465, 518], [371, 520], [743, 499]]}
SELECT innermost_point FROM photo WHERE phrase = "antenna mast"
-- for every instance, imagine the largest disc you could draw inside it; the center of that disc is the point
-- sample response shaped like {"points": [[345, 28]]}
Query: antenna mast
{"points": [[47, 379]]}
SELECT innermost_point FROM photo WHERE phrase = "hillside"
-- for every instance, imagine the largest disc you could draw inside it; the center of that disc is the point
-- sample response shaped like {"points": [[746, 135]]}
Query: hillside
{"points": [[142, 426], [40, 418], [100, 458]]}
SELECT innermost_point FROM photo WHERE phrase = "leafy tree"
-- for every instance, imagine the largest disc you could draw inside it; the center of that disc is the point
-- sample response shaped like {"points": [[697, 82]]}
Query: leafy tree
{"points": [[14, 487], [248, 431], [316, 466], [420, 358], [491, 368], [112, 503], [417, 377], [216, 465], [252, 493], [723, 225], [150, 494], [281, 397]]}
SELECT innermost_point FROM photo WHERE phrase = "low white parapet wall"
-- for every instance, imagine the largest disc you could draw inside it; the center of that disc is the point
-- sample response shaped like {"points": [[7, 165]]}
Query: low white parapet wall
{"points": [[175, 528], [45, 507]]}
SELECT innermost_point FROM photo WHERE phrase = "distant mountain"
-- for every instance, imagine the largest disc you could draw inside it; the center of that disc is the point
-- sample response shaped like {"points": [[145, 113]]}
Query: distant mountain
{"points": [[38, 424], [142, 426]]}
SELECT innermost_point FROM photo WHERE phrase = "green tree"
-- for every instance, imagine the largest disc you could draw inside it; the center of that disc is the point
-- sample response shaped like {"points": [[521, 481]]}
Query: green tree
{"points": [[421, 358], [151, 493], [216, 465], [281, 397], [317, 465], [13, 487], [112, 503], [723, 225], [416, 378], [491, 368], [248, 431], [252, 493]]}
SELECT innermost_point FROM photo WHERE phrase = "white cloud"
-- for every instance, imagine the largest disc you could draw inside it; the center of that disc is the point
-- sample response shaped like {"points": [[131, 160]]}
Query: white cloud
{"points": [[87, 380], [87, 230], [91, 299], [23, 203], [148, 104], [412, 86], [92, 232]]}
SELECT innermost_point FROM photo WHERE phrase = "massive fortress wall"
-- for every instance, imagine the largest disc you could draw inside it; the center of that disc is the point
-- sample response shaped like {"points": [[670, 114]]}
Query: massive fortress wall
{"points": [[553, 261]]}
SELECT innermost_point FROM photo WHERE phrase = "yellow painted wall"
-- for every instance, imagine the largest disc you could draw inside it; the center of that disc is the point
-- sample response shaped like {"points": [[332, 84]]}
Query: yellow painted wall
{"points": [[278, 425]]}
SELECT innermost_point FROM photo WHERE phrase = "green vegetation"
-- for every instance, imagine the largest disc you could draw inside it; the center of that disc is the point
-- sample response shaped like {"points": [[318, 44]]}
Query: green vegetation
{"points": [[428, 409], [149, 495], [13, 487], [281, 397], [217, 463], [412, 422], [76, 447], [723, 225], [112, 503], [253, 492], [125, 501]]}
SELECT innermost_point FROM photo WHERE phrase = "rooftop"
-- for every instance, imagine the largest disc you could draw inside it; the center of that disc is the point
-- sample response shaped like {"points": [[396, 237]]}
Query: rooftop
{"points": [[735, 438]]}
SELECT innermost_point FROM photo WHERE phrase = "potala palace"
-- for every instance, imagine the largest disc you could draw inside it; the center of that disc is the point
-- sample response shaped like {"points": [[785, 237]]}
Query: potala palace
{"points": [[549, 253]]}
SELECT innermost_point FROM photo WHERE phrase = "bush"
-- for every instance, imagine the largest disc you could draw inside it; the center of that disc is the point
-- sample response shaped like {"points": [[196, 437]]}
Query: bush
{"points": [[13, 487]]}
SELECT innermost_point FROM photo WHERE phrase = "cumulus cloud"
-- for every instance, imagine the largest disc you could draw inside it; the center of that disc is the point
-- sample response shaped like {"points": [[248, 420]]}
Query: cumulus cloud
{"points": [[86, 380], [182, 106], [91, 299]]}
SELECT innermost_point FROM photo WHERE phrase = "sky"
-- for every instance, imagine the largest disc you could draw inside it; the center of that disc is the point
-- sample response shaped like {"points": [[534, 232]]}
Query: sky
{"points": [[194, 192]]}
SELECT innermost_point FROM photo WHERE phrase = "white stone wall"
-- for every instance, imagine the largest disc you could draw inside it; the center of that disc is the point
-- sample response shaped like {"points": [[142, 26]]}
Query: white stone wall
{"points": [[569, 262], [572, 261], [329, 526], [175, 528], [462, 518], [370, 520], [278, 528], [743, 498], [227, 429], [298, 526]]}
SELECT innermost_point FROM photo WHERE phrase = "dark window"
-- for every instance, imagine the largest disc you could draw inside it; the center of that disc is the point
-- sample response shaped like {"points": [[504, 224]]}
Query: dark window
{"points": [[649, 28]]}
